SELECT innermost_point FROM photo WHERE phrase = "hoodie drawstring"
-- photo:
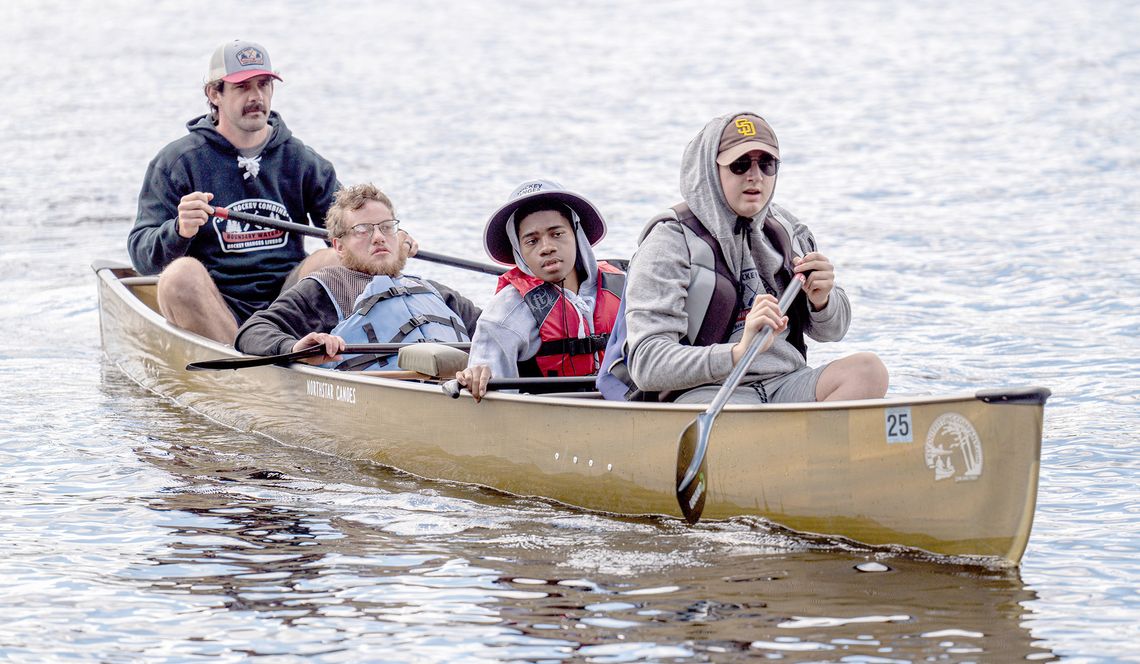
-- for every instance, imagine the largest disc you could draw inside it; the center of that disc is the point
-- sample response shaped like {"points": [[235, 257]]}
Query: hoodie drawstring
{"points": [[743, 226], [252, 166]]}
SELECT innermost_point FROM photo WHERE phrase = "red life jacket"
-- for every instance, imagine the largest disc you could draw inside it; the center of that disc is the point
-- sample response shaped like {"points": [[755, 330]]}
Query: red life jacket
{"points": [[560, 353]]}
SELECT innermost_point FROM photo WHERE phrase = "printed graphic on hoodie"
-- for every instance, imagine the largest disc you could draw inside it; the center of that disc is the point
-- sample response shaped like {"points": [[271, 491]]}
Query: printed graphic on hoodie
{"points": [[236, 237], [750, 282]]}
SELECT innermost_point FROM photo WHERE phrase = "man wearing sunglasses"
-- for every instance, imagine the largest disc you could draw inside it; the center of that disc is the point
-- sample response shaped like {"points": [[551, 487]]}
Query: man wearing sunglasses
{"points": [[367, 298], [733, 252]]}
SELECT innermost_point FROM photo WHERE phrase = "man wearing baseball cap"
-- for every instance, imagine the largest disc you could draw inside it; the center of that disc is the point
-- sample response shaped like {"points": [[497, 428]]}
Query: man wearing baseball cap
{"points": [[733, 251], [215, 273], [554, 309]]}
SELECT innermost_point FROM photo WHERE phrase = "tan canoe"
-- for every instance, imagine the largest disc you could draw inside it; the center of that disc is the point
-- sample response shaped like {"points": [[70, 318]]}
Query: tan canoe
{"points": [[950, 475]]}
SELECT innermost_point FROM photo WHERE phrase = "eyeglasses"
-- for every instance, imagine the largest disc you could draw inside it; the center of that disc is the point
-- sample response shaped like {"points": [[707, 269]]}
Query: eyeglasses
{"points": [[388, 228], [767, 163]]}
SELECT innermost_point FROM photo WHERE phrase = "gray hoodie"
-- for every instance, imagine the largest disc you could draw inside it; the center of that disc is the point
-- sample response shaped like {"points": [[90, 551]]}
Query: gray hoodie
{"points": [[507, 334], [659, 277]]}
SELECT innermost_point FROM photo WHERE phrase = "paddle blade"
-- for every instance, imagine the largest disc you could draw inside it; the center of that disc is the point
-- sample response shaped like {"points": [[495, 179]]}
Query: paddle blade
{"points": [[259, 361], [692, 468]]}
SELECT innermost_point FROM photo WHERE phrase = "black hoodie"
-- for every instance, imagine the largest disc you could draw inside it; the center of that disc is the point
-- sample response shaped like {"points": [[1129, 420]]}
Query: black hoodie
{"points": [[290, 181]]}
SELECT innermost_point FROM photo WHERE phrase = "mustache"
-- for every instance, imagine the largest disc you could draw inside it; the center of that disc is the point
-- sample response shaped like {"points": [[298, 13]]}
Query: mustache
{"points": [[254, 107]]}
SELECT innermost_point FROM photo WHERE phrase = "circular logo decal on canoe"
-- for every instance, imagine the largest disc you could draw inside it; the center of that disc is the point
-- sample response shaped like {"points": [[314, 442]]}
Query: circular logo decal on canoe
{"points": [[953, 448]]}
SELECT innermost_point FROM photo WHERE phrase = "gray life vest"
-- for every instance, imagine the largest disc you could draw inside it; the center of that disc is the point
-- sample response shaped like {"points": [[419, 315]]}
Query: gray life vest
{"points": [[712, 303], [401, 310]]}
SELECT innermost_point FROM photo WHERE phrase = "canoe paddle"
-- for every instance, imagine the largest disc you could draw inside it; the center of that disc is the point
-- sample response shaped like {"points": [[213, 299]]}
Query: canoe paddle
{"points": [[311, 351], [313, 231], [692, 467], [452, 387]]}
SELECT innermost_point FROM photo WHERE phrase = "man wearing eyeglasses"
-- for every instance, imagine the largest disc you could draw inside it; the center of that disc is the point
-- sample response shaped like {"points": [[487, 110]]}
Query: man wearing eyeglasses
{"points": [[734, 251], [216, 273], [365, 299]]}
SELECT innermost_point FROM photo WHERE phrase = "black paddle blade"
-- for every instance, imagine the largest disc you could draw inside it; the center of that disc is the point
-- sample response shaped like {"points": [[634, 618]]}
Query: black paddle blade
{"points": [[692, 468], [244, 362]]}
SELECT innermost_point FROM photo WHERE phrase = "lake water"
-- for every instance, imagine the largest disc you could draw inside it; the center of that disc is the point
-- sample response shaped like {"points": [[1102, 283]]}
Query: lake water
{"points": [[971, 170]]}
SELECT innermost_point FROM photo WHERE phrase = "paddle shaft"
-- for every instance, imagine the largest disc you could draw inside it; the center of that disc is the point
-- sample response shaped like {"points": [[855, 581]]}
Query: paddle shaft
{"points": [[733, 380], [554, 384], [759, 340], [313, 231], [311, 351]]}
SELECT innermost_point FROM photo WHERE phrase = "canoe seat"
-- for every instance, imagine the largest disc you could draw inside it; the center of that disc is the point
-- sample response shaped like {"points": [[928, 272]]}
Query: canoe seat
{"points": [[434, 360]]}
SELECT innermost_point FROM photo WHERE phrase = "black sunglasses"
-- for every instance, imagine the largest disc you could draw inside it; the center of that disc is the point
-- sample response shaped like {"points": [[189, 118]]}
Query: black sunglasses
{"points": [[767, 163]]}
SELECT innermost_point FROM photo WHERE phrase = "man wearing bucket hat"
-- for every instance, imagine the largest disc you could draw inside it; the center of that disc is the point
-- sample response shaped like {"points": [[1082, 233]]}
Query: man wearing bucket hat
{"points": [[737, 252], [553, 311], [215, 273]]}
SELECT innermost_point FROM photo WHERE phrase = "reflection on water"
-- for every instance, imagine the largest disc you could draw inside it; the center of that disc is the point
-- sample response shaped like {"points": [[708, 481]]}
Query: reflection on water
{"points": [[282, 546]]}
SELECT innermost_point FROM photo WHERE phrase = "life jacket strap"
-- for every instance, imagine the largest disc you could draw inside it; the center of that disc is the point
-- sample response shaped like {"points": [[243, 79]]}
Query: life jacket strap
{"points": [[361, 362], [595, 343], [366, 360], [394, 291], [420, 320]]}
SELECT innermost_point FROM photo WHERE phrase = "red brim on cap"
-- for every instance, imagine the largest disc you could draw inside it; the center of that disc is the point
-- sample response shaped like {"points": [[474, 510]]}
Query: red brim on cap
{"points": [[240, 76]]}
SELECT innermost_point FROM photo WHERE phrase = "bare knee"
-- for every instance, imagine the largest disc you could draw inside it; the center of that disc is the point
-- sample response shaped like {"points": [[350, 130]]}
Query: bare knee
{"points": [[183, 282], [858, 376], [321, 258], [870, 375], [317, 260], [188, 298]]}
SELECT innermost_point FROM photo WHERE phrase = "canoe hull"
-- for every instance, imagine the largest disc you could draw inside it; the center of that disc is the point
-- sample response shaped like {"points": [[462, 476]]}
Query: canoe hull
{"points": [[950, 475]]}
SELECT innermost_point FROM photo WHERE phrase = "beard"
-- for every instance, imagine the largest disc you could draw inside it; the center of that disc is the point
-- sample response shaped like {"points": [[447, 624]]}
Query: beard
{"points": [[392, 266]]}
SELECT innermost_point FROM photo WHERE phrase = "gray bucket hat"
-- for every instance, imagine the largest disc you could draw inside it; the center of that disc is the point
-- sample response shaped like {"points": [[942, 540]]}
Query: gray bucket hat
{"points": [[498, 242]]}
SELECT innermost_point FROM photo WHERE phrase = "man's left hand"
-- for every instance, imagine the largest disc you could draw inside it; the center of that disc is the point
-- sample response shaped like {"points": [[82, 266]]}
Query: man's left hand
{"points": [[821, 279]]}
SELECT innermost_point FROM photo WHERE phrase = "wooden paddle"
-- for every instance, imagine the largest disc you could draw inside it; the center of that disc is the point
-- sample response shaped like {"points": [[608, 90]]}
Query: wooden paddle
{"points": [[311, 351], [534, 385], [313, 231], [692, 468]]}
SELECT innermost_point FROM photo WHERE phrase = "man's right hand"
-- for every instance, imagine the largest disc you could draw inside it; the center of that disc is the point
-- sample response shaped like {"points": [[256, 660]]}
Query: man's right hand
{"points": [[193, 211], [765, 311], [334, 346], [475, 379]]}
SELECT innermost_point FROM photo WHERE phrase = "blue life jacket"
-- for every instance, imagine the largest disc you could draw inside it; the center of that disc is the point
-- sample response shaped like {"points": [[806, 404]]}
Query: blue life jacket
{"points": [[400, 310], [711, 304]]}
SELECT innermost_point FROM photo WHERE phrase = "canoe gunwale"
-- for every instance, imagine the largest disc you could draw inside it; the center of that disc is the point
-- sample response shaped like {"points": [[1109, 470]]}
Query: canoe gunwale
{"points": [[1011, 395]]}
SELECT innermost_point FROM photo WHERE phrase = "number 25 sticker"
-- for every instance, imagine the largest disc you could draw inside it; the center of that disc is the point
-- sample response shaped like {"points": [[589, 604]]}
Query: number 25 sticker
{"points": [[898, 425]]}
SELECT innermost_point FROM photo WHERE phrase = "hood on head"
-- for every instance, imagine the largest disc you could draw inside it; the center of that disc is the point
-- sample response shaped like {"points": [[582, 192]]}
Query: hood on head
{"points": [[702, 190], [585, 256], [500, 235]]}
